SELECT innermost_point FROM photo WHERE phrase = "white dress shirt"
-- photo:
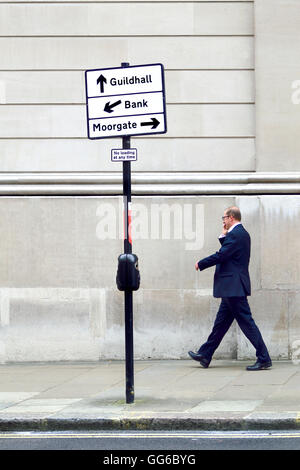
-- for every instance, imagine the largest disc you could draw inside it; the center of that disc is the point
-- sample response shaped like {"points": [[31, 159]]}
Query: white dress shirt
{"points": [[229, 230]]}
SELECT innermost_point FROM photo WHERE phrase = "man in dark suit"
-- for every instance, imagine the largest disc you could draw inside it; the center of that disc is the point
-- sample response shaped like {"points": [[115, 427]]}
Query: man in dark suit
{"points": [[232, 284]]}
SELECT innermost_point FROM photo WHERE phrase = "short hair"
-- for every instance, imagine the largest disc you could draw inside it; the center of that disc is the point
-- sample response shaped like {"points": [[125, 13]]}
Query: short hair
{"points": [[234, 212]]}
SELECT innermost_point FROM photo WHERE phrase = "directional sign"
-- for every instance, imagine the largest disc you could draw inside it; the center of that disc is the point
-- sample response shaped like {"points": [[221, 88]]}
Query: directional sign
{"points": [[125, 101]]}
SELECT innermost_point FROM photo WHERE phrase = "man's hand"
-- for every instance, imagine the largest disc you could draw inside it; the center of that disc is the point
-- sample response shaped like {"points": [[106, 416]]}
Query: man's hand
{"points": [[224, 231], [196, 266]]}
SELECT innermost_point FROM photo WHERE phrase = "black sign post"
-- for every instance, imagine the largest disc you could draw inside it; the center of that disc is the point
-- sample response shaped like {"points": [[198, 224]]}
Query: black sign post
{"points": [[123, 102], [128, 292]]}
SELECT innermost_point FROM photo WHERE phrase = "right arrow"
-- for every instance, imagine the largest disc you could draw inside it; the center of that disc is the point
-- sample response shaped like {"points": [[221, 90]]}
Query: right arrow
{"points": [[154, 123], [101, 79]]}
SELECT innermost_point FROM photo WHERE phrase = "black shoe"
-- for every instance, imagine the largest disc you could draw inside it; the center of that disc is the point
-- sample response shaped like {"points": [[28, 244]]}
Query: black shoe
{"points": [[198, 357], [260, 366]]}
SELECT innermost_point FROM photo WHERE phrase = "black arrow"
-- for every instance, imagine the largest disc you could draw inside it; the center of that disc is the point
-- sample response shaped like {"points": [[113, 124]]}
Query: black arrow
{"points": [[108, 107], [101, 79], [154, 123]]}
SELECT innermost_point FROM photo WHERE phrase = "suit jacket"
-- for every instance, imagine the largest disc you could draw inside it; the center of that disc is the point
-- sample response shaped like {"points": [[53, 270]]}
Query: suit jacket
{"points": [[232, 260]]}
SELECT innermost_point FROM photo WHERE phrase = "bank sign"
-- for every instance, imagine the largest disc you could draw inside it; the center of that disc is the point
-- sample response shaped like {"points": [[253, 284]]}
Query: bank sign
{"points": [[125, 101]]}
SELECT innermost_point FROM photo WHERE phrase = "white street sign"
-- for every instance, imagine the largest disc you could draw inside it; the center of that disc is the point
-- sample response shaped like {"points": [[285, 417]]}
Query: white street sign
{"points": [[125, 101], [123, 155]]}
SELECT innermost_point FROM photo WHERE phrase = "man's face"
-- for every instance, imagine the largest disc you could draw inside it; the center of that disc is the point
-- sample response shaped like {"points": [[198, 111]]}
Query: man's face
{"points": [[228, 221]]}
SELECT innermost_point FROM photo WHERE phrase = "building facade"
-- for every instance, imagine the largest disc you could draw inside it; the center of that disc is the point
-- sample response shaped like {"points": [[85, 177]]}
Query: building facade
{"points": [[233, 113]]}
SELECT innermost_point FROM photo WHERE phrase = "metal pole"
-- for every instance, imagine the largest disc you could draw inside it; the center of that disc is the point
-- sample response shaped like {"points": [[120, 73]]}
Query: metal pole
{"points": [[127, 199], [128, 293]]}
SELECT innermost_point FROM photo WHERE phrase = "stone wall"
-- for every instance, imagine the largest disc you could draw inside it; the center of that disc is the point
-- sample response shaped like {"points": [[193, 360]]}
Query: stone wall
{"points": [[233, 103], [59, 300], [207, 50]]}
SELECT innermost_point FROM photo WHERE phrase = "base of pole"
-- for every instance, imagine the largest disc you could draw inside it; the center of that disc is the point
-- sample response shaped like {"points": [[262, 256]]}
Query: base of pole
{"points": [[130, 395]]}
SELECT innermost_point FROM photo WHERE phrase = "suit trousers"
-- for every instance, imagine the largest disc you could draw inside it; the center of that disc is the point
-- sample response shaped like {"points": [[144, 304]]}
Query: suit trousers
{"points": [[235, 308]]}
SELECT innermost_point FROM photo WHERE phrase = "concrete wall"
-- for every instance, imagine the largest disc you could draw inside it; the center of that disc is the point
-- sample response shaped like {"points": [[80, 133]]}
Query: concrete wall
{"points": [[59, 261], [232, 110]]}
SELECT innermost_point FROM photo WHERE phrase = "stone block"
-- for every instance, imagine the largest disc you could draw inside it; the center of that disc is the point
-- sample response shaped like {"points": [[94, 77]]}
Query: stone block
{"points": [[294, 326], [46, 325], [61, 53], [277, 85], [67, 121], [167, 324], [280, 248], [208, 154]]}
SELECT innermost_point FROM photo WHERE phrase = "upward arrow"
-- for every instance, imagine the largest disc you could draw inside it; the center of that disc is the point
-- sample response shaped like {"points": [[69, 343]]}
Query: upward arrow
{"points": [[101, 79]]}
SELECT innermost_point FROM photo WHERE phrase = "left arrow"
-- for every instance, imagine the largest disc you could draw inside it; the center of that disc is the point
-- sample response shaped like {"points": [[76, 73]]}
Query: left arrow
{"points": [[109, 107], [101, 80]]}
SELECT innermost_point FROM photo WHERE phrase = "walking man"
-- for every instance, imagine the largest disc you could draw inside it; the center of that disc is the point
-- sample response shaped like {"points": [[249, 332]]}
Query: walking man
{"points": [[232, 284]]}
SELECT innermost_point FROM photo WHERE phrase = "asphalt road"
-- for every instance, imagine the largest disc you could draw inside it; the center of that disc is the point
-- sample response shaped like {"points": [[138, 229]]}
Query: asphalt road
{"points": [[151, 441]]}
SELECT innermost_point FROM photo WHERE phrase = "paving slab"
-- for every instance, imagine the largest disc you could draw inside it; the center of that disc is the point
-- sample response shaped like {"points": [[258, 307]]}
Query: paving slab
{"points": [[169, 394]]}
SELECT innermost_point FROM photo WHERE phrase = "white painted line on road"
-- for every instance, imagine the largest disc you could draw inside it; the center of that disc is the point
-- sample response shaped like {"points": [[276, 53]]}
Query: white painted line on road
{"points": [[154, 435]]}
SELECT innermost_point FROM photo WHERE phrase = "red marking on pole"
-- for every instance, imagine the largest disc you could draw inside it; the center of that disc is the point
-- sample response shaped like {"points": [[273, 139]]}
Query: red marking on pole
{"points": [[129, 227]]}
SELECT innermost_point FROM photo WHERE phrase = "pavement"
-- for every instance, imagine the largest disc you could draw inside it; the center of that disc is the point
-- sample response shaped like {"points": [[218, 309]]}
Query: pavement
{"points": [[168, 394]]}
